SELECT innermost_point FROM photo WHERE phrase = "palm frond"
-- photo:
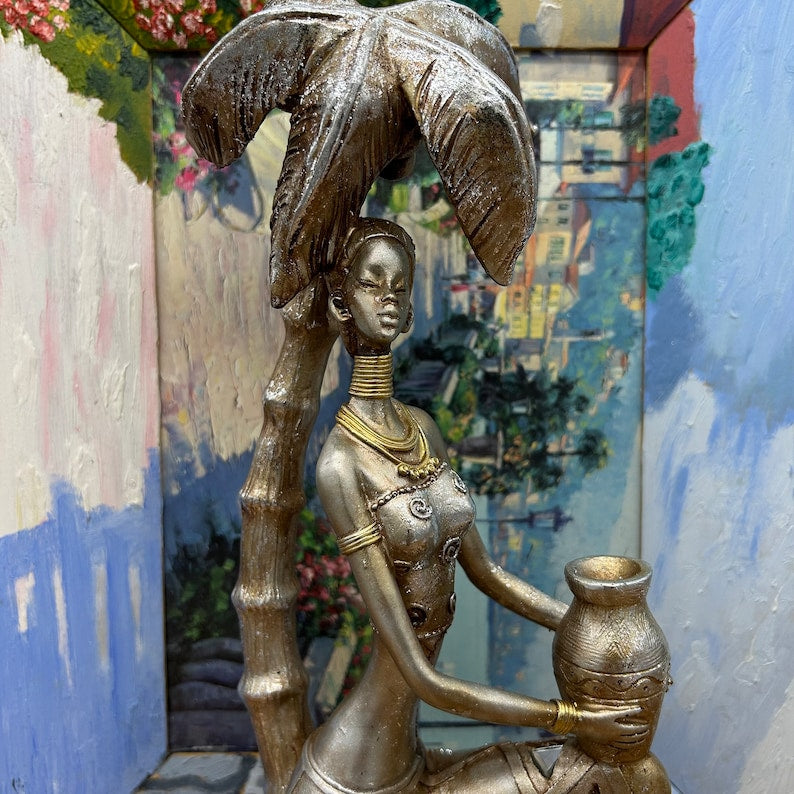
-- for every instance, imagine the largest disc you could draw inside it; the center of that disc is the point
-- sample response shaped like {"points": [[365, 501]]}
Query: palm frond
{"points": [[454, 22], [480, 142], [362, 87]]}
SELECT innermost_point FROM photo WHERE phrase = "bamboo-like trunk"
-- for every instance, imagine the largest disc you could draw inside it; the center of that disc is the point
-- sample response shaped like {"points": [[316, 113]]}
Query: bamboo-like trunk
{"points": [[274, 682]]}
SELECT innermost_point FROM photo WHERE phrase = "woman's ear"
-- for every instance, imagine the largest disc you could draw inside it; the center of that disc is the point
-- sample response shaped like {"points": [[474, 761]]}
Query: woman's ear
{"points": [[337, 308], [409, 320]]}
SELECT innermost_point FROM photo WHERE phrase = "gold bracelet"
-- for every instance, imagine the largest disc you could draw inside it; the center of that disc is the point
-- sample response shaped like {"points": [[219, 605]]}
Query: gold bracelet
{"points": [[359, 539], [567, 717]]}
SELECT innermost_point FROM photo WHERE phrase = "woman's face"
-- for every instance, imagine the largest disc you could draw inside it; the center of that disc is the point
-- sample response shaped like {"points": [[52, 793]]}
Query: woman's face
{"points": [[377, 292]]}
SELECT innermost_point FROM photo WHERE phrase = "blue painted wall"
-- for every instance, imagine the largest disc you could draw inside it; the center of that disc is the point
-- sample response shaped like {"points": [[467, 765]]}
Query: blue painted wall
{"points": [[718, 517], [82, 691]]}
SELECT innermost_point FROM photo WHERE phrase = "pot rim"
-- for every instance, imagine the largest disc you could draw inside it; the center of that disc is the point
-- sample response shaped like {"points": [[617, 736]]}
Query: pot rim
{"points": [[609, 580]]}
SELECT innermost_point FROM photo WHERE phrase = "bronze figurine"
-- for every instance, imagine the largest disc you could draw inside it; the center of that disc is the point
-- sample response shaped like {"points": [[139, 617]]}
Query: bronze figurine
{"points": [[364, 87], [405, 518]]}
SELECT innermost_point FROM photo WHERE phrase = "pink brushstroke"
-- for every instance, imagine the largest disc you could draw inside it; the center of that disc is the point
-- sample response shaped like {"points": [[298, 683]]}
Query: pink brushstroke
{"points": [[50, 364], [49, 217], [149, 340], [107, 311]]}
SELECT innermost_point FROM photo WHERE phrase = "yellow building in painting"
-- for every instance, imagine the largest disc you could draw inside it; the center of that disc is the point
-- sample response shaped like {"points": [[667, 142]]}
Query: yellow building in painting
{"points": [[547, 281]]}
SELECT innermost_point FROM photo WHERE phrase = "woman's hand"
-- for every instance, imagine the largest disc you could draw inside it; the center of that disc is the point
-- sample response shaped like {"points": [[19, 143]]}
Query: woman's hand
{"points": [[617, 726]]}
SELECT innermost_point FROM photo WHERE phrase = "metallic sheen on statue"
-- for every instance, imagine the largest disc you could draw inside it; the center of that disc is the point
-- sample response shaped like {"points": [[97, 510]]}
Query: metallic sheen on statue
{"points": [[364, 87]]}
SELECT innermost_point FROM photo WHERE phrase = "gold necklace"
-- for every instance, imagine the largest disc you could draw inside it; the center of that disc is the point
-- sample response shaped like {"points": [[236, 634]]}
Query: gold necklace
{"points": [[351, 421], [385, 445], [372, 377]]}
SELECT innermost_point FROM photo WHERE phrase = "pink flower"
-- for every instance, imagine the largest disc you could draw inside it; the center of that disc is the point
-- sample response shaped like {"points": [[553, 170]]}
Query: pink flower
{"points": [[186, 179], [143, 22], [42, 29], [15, 18], [162, 25], [208, 6], [40, 7], [59, 22], [180, 39], [174, 6], [192, 24]]}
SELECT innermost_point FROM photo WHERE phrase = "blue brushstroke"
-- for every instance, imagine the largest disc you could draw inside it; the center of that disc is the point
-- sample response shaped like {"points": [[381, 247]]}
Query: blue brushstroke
{"points": [[104, 731], [726, 606], [201, 506], [674, 328]]}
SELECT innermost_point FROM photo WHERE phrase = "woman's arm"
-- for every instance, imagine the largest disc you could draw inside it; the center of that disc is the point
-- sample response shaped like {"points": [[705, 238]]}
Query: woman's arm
{"points": [[508, 590], [340, 486], [340, 489], [389, 617], [477, 701]]}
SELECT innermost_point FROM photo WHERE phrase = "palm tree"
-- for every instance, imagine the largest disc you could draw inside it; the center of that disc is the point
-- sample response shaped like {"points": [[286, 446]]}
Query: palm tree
{"points": [[364, 87]]}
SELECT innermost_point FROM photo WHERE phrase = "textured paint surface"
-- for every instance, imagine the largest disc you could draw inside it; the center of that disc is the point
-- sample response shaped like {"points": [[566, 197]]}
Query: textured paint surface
{"points": [[671, 71], [76, 301], [719, 430], [81, 671], [562, 23]]}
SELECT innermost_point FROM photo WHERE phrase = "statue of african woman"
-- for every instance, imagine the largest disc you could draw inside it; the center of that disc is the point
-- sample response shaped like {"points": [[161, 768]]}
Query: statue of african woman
{"points": [[405, 520], [364, 87]]}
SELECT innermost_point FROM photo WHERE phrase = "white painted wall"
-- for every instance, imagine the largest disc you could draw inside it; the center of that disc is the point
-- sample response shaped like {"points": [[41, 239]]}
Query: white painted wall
{"points": [[78, 391]]}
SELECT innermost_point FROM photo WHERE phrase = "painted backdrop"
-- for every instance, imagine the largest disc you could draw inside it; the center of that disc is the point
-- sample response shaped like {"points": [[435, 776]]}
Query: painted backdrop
{"points": [[718, 496], [82, 704]]}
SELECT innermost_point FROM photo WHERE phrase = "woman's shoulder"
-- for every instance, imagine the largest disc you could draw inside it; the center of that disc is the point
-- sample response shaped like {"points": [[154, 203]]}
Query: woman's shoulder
{"points": [[430, 429], [340, 483], [335, 463]]}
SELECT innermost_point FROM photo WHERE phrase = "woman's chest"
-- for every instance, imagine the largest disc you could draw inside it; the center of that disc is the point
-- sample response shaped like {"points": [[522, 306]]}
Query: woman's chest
{"points": [[425, 523]]}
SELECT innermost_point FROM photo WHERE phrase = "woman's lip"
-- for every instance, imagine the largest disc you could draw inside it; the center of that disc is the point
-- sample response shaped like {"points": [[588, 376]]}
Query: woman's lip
{"points": [[389, 316]]}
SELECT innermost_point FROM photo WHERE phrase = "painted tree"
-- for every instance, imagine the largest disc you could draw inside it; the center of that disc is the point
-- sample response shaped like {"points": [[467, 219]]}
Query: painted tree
{"points": [[539, 422], [675, 188], [364, 87]]}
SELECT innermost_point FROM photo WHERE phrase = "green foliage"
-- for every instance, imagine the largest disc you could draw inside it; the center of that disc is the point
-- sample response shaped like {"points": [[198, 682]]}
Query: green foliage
{"points": [[632, 124], [662, 116], [540, 420], [571, 113], [202, 579], [675, 188], [198, 604], [100, 60]]}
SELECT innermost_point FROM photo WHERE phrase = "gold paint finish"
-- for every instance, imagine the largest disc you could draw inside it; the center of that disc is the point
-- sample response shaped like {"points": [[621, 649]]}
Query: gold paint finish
{"points": [[609, 650], [364, 87]]}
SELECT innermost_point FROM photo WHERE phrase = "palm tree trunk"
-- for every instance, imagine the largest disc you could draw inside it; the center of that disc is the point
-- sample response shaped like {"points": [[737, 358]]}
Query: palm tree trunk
{"points": [[274, 682]]}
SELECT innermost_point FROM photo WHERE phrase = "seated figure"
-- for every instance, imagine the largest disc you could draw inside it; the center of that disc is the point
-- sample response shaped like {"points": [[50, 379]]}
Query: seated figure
{"points": [[405, 518]]}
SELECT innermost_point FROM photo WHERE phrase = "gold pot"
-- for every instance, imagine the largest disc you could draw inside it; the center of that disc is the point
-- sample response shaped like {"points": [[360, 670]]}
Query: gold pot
{"points": [[609, 650]]}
